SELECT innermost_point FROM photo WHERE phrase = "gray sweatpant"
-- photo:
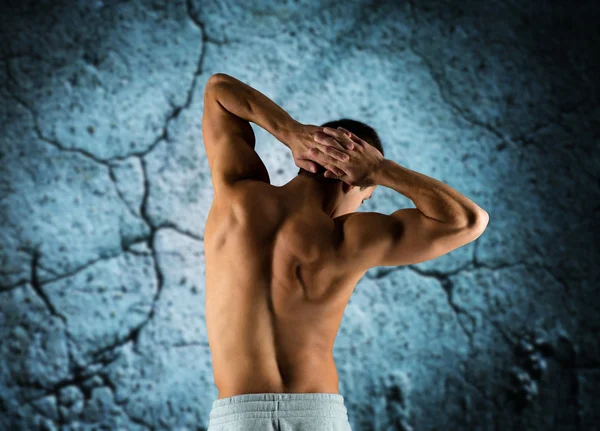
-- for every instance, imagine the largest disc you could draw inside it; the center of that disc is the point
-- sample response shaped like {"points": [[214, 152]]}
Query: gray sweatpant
{"points": [[280, 412]]}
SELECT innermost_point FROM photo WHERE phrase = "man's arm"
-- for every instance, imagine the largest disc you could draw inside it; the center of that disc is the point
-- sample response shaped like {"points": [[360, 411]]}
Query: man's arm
{"points": [[433, 198], [229, 106], [443, 221], [251, 105]]}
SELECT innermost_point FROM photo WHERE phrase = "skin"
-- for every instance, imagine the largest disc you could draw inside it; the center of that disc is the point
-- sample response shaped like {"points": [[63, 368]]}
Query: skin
{"points": [[277, 280], [272, 321], [282, 262], [335, 198]]}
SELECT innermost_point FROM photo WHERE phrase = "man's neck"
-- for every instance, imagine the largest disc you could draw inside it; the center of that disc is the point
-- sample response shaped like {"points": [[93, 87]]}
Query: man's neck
{"points": [[312, 193]]}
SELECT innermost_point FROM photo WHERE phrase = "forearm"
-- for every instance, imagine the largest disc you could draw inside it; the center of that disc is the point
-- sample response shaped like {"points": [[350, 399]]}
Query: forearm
{"points": [[432, 197], [250, 104]]}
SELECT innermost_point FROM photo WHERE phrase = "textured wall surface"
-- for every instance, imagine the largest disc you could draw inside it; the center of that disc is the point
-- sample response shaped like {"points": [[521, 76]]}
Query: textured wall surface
{"points": [[105, 188]]}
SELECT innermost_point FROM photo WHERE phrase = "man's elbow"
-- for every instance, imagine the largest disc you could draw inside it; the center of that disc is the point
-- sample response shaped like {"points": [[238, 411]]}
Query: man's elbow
{"points": [[217, 78], [478, 222], [214, 80]]}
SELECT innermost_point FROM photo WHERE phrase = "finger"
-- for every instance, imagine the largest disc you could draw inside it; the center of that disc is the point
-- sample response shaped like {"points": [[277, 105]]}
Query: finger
{"points": [[350, 135], [326, 161], [338, 141], [306, 165], [342, 138], [333, 132], [333, 172], [349, 145], [320, 157], [347, 132], [330, 147]]}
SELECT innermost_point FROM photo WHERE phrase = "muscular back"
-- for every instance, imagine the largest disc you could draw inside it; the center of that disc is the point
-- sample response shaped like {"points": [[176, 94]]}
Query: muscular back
{"points": [[276, 291]]}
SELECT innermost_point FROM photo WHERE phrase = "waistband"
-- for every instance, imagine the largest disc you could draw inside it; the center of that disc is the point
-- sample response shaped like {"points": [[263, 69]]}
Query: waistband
{"points": [[277, 405]]}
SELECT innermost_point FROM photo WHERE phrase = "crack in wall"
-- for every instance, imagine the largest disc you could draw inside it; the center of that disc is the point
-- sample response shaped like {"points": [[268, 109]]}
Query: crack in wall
{"points": [[125, 248], [521, 140], [134, 335], [448, 287], [38, 289], [79, 374], [80, 381], [123, 405], [437, 79], [106, 162], [83, 372], [113, 178]]}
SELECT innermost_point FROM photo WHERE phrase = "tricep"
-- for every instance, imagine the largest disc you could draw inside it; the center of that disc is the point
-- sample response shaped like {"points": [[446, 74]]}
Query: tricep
{"points": [[404, 237]]}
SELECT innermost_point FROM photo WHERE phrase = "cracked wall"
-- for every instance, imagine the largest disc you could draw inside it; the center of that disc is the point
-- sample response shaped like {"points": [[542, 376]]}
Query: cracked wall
{"points": [[105, 190]]}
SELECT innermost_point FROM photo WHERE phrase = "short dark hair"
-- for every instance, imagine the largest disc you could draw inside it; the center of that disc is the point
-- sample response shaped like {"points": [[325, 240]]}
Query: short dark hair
{"points": [[362, 130]]}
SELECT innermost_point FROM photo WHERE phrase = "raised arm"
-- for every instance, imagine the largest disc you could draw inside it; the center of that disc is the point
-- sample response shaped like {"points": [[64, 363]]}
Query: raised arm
{"points": [[444, 219], [433, 198]]}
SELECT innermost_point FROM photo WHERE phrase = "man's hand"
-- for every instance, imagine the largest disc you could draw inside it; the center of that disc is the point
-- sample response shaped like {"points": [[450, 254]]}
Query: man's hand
{"points": [[363, 165], [302, 142]]}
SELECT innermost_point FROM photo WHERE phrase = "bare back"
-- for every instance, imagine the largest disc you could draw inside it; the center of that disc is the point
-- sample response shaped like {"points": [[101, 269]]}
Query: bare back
{"points": [[276, 291]]}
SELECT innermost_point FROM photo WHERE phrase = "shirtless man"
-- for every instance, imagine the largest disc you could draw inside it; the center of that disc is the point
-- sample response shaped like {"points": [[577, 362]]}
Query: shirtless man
{"points": [[282, 262]]}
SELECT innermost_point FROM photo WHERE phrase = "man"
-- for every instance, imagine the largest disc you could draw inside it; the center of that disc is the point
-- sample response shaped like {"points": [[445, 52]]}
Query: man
{"points": [[282, 262]]}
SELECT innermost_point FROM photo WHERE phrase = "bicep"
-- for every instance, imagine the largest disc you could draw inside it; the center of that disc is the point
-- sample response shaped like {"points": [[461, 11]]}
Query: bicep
{"points": [[424, 238]]}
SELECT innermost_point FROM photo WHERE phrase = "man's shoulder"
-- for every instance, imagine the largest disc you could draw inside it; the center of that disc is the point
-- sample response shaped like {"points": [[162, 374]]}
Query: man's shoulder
{"points": [[249, 198]]}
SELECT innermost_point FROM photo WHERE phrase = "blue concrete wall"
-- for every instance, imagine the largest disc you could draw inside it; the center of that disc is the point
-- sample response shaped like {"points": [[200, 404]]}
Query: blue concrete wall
{"points": [[105, 188]]}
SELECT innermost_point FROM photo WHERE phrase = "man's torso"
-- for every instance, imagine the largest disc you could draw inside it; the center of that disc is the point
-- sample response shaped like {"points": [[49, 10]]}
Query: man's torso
{"points": [[276, 290]]}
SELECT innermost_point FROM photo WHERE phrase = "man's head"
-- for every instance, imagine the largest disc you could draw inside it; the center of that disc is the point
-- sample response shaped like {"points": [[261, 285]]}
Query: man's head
{"points": [[349, 198]]}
